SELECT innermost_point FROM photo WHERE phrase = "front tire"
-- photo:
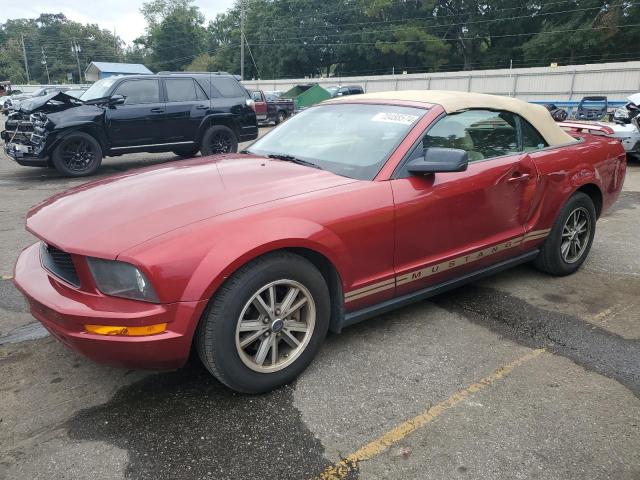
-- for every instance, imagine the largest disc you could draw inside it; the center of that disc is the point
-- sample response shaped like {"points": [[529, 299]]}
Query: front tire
{"points": [[265, 324], [218, 139], [77, 155], [186, 153], [569, 242]]}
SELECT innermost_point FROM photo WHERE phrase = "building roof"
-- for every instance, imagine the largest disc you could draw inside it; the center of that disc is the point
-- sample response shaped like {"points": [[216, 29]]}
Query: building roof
{"points": [[454, 101], [129, 68]]}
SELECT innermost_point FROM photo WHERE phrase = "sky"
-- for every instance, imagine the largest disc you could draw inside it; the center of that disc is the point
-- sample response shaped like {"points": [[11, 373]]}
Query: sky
{"points": [[124, 15]]}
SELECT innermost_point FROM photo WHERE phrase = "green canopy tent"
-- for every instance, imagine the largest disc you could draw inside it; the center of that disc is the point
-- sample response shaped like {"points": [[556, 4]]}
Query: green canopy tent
{"points": [[305, 95]]}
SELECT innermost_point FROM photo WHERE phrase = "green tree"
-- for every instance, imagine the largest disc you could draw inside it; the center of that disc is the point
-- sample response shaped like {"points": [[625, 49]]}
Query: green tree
{"points": [[175, 33], [52, 34]]}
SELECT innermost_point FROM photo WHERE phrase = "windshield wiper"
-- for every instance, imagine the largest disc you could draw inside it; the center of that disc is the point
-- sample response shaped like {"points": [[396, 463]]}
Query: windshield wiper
{"points": [[291, 158]]}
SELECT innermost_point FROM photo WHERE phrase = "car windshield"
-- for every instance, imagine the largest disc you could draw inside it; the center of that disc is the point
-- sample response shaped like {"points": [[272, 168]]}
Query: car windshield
{"points": [[98, 89], [39, 92], [353, 140]]}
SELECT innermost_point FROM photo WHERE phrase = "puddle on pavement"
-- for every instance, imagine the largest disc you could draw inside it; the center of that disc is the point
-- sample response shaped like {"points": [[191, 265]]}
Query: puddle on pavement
{"points": [[185, 424]]}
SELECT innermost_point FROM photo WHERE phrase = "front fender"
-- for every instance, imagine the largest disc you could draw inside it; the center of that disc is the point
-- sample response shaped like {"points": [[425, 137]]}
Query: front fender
{"points": [[62, 130], [300, 234], [215, 252]]}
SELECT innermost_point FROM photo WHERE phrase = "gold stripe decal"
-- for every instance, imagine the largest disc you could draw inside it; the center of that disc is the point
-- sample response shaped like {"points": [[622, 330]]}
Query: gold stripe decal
{"points": [[443, 266], [373, 286], [456, 262], [370, 292]]}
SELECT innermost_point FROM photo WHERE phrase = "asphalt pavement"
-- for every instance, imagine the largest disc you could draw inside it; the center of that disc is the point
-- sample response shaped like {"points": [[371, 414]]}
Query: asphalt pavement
{"points": [[519, 376]]}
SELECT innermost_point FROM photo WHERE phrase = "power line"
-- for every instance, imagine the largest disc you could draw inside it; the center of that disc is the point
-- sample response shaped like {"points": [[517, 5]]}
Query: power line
{"points": [[431, 40], [369, 32]]}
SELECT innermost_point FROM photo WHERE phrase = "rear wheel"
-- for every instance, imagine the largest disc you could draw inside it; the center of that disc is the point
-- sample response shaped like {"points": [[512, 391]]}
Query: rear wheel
{"points": [[280, 117], [218, 139], [77, 155], [570, 239], [265, 324]]}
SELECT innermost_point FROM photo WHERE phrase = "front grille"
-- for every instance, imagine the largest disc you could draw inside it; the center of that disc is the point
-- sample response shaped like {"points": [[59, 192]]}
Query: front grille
{"points": [[60, 264]]}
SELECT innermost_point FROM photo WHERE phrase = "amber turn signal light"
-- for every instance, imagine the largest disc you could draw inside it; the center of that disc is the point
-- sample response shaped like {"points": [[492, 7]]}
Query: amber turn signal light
{"points": [[126, 331]]}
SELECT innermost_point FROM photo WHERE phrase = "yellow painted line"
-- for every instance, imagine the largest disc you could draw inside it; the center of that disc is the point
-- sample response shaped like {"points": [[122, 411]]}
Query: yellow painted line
{"points": [[603, 314], [7, 277], [341, 469]]}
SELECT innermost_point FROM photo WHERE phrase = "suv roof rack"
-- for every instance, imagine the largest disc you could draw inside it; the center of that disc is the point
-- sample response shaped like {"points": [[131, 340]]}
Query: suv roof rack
{"points": [[193, 73]]}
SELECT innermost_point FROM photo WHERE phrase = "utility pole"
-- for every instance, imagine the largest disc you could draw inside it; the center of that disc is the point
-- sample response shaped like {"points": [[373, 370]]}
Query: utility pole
{"points": [[26, 64], [115, 42], [75, 48], [241, 39], [46, 67]]}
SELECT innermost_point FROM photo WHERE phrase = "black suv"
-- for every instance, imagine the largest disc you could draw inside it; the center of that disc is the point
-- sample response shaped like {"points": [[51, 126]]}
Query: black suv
{"points": [[169, 112]]}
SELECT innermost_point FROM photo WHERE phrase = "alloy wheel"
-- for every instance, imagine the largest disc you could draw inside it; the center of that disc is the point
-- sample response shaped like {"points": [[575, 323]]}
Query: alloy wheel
{"points": [[221, 142], [77, 154], [275, 326], [575, 235]]}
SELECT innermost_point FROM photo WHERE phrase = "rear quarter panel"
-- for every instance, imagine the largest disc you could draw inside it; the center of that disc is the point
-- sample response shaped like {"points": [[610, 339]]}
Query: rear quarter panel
{"points": [[562, 170]]}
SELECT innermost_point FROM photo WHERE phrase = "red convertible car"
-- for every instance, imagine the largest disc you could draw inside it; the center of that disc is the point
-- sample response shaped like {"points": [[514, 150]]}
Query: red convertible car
{"points": [[353, 207]]}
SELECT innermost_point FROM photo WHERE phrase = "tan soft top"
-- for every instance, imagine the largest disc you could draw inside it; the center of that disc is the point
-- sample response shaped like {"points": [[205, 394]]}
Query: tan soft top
{"points": [[453, 101]]}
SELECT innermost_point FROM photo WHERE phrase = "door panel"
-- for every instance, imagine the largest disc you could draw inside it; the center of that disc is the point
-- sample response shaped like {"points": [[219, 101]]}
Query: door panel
{"points": [[260, 104], [186, 108], [140, 119], [448, 224]]}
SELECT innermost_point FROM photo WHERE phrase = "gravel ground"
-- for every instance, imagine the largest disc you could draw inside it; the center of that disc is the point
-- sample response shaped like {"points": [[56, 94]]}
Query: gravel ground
{"points": [[518, 376]]}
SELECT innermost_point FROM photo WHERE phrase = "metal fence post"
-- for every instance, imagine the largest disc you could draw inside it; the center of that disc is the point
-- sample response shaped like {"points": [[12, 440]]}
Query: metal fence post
{"points": [[573, 81]]}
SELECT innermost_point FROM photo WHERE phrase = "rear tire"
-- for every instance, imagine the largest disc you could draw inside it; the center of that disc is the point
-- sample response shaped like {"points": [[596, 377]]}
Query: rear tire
{"points": [[77, 155], [218, 139], [570, 239], [280, 117], [235, 314]]}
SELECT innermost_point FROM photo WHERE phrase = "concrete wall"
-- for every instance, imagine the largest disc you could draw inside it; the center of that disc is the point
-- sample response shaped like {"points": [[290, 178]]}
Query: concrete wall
{"points": [[615, 80]]}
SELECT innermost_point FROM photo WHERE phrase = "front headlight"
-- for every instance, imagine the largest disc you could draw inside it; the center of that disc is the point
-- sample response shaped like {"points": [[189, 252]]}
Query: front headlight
{"points": [[121, 280]]}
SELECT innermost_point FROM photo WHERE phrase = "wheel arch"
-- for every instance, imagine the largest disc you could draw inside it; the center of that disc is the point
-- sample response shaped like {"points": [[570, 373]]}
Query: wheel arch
{"points": [[332, 278], [320, 246], [326, 267], [224, 120], [594, 192], [89, 128]]}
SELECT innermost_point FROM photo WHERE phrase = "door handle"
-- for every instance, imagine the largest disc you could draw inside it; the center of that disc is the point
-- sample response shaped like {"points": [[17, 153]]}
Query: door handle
{"points": [[201, 107], [519, 177], [157, 110]]}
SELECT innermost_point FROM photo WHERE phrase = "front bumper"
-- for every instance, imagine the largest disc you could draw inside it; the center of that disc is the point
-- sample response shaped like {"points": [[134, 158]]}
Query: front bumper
{"points": [[64, 311], [24, 155]]}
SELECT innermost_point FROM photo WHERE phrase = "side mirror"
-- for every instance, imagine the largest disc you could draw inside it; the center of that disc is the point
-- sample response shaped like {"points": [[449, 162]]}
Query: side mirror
{"points": [[439, 160], [116, 100]]}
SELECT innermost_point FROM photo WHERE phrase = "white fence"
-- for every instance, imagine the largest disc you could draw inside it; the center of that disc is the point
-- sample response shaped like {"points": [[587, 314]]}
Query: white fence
{"points": [[565, 83], [33, 88]]}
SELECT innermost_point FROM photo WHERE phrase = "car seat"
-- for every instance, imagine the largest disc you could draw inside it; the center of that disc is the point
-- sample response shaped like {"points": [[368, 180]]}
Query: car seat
{"points": [[452, 134]]}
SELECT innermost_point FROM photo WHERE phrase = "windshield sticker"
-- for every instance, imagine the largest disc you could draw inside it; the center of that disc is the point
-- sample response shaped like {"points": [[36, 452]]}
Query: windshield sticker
{"points": [[390, 117]]}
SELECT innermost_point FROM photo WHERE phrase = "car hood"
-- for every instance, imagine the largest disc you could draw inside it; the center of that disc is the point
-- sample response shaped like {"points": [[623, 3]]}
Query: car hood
{"points": [[59, 101], [106, 217]]}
